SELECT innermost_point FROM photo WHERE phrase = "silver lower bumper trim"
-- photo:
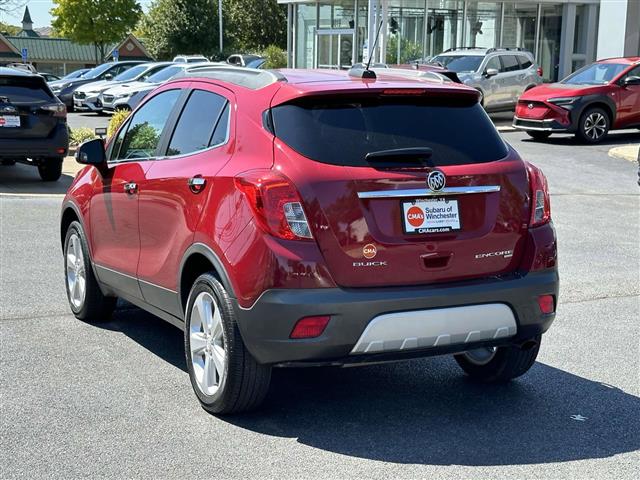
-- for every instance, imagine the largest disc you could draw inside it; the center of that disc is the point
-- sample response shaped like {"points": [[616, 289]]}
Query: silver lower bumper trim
{"points": [[436, 327]]}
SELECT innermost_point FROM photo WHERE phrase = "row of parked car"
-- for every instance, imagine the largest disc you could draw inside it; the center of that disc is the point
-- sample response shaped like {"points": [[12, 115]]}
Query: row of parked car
{"points": [[597, 98], [121, 85]]}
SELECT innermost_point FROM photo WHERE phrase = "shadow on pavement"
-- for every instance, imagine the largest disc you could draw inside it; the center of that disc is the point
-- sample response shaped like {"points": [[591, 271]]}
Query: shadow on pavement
{"points": [[24, 179], [426, 411]]}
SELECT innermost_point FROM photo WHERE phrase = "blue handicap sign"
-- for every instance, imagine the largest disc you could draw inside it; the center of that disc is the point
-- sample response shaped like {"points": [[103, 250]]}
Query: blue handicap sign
{"points": [[115, 54], [24, 54]]}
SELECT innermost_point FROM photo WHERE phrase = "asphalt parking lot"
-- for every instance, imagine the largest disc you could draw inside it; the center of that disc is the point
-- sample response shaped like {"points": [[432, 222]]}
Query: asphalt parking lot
{"points": [[115, 401]]}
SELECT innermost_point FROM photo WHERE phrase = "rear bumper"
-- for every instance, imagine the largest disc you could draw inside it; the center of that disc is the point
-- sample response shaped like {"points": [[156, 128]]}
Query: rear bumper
{"points": [[36, 148], [266, 326]]}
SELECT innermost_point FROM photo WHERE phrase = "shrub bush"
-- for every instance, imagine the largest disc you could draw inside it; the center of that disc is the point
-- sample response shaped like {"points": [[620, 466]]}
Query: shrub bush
{"points": [[116, 120], [80, 135], [276, 57]]}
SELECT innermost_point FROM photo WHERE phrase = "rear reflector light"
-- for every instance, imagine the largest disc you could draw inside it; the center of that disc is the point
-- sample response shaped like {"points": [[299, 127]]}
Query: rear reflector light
{"points": [[58, 109], [546, 304], [540, 202], [540, 71], [276, 204], [61, 150], [310, 327]]}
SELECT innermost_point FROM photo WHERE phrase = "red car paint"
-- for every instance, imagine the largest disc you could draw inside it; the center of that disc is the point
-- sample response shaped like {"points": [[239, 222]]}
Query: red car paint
{"points": [[146, 236]]}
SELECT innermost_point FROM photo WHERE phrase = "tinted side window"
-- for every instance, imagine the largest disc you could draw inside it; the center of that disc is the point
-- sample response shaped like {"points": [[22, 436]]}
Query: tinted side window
{"points": [[510, 63], [634, 72], [197, 123], [494, 62], [524, 61], [145, 128], [222, 128], [117, 142]]}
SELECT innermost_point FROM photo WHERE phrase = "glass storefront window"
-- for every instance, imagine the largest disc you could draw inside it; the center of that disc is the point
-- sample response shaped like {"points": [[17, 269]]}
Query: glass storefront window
{"points": [[405, 29], [519, 27], [305, 25], [549, 49], [444, 25], [483, 24]]}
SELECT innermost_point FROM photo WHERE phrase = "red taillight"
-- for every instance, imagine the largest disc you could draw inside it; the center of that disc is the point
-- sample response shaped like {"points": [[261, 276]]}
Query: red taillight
{"points": [[546, 304], [403, 91], [540, 202], [540, 71], [58, 109], [310, 327], [275, 203]]}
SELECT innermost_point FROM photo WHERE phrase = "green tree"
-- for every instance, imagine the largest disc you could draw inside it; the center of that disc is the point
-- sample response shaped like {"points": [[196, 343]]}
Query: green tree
{"points": [[9, 29], [253, 25], [174, 27], [98, 22]]}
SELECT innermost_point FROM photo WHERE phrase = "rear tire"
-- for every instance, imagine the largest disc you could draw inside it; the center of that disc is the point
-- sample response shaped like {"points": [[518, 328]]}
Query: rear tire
{"points": [[224, 375], [594, 125], [51, 169], [500, 365], [86, 300], [536, 135]]}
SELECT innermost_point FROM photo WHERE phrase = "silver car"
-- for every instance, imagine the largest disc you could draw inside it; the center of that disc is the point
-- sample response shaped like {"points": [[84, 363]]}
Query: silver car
{"points": [[500, 74]]}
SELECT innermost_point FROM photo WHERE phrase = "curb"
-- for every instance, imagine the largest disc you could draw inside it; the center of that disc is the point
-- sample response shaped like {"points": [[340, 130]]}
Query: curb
{"points": [[630, 153]]}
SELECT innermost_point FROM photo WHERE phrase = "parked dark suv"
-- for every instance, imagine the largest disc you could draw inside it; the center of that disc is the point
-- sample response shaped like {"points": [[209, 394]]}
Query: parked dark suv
{"points": [[315, 218], [33, 123]]}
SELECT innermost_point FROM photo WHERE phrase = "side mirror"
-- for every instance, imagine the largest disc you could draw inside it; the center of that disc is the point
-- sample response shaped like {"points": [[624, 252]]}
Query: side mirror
{"points": [[491, 72], [633, 80], [92, 152], [108, 76]]}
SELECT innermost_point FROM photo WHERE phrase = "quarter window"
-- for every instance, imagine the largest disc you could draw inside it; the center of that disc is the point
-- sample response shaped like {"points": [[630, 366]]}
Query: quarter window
{"points": [[510, 63], [145, 128], [525, 62], [201, 121]]}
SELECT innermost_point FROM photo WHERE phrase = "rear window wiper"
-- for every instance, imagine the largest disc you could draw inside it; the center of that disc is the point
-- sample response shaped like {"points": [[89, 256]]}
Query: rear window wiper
{"points": [[401, 158]]}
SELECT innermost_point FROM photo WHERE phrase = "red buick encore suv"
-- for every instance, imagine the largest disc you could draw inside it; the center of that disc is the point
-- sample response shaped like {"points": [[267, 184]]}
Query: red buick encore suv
{"points": [[301, 218]]}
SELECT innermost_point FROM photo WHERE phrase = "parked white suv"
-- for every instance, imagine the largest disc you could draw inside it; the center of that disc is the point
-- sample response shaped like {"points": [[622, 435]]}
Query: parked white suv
{"points": [[500, 74]]}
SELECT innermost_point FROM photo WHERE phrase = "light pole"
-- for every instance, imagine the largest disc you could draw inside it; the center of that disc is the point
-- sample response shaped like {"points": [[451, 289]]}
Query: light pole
{"points": [[220, 23]]}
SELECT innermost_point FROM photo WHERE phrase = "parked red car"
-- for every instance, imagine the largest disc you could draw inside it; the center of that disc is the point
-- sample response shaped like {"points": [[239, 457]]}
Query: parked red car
{"points": [[314, 218], [600, 97]]}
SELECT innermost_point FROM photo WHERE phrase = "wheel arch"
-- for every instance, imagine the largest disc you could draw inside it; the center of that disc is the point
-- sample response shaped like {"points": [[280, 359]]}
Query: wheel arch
{"points": [[199, 259], [70, 214], [605, 104]]}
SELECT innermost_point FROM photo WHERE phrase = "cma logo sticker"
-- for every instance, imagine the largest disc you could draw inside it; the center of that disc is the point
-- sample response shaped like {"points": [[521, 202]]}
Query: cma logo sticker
{"points": [[369, 251], [415, 216]]}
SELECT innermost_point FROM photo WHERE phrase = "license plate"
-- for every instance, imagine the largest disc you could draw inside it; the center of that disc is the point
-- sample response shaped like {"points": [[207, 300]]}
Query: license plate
{"points": [[430, 215], [78, 103], [9, 121]]}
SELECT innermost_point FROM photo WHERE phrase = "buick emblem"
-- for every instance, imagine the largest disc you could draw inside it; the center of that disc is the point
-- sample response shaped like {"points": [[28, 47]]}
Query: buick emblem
{"points": [[530, 106], [436, 180]]}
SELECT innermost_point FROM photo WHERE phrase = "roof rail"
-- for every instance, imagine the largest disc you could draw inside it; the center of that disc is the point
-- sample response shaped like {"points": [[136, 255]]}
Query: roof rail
{"points": [[453, 49], [252, 78], [507, 49]]}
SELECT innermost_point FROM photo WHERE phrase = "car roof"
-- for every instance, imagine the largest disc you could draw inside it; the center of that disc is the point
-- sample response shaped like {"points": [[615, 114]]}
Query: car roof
{"points": [[625, 60], [14, 72]]}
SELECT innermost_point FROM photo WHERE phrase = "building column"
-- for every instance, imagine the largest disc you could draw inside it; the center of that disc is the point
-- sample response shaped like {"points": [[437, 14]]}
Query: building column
{"points": [[290, 36], [566, 39], [592, 29], [618, 28], [371, 28]]}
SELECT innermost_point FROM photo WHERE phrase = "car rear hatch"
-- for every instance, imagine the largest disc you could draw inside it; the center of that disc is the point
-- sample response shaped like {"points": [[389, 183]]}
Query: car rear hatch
{"points": [[362, 164], [28, 109]]}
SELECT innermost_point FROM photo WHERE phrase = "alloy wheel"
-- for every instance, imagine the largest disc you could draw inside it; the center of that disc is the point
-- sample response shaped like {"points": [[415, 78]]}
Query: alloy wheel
{"points": [[481, 356], [595, 125], [76, 273], [207, 345]]}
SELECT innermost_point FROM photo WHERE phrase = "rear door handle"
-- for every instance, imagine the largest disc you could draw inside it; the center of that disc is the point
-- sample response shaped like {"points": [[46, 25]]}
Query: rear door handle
{"points": [[131, 188], [196, 184]]}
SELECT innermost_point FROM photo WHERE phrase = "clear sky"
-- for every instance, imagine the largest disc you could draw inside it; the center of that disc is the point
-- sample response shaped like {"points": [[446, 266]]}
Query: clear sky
{"points": [[39, 10]]}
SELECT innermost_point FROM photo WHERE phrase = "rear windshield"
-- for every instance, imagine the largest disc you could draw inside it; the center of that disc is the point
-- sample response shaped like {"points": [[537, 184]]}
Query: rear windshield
{"points": [[24, 90], [342, 133]]}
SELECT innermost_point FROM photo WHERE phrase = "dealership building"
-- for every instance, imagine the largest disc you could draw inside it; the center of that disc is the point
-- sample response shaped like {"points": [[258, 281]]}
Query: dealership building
{"points": [[563, 35]]}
